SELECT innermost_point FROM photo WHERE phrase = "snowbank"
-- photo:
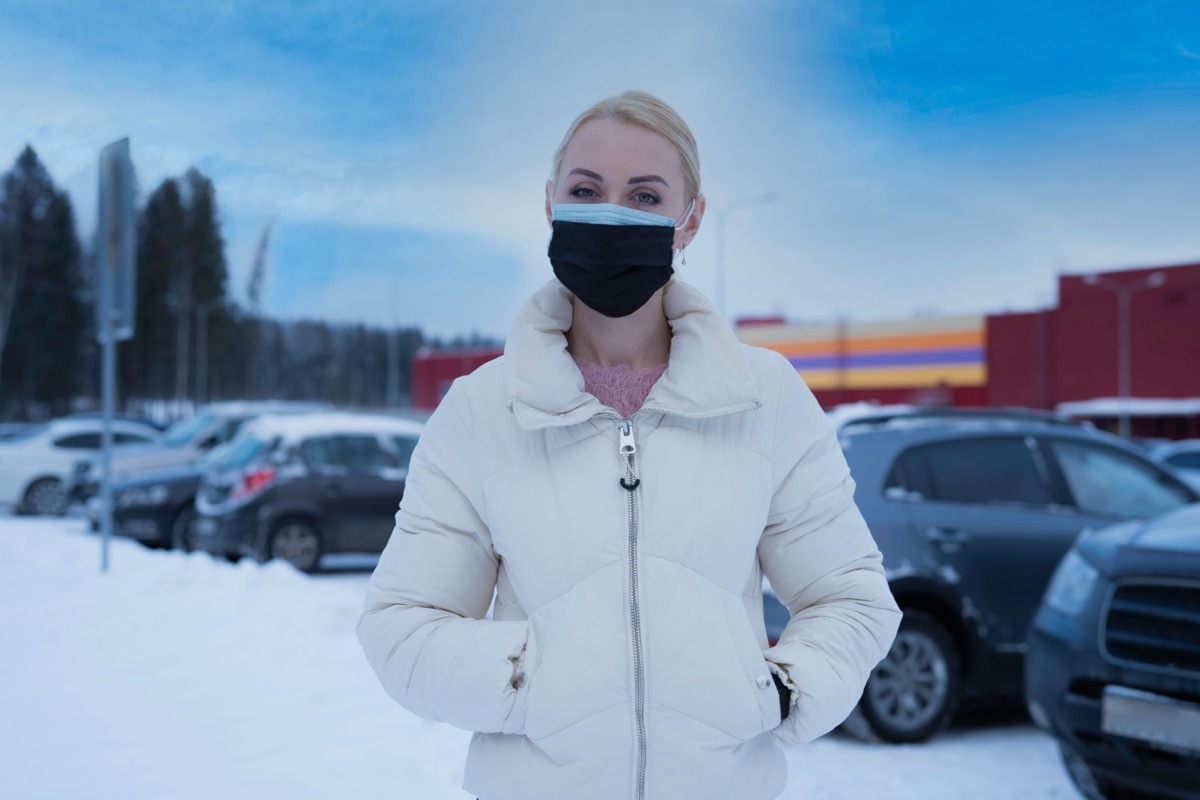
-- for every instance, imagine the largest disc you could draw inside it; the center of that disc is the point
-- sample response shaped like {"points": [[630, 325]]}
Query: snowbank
{"points": [[182, 677]]}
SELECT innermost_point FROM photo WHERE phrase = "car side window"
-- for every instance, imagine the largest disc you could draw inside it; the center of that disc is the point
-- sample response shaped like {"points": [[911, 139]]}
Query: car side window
{"points": [[79, 441], [993, 470], [361, 452], [121, 437], [319, 452], [404, 449], [1185, 460], [1105, 481], [911, 474]]}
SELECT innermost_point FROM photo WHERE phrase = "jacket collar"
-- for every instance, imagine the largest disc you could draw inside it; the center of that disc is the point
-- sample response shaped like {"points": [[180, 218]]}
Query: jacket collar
{"points": [[707, 373]]}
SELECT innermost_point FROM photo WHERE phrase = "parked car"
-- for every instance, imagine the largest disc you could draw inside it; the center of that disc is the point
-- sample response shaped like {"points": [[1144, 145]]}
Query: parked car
{"points": [[297, 487], [36, 463], [1182, 456], [183, 443], [972, 515], [1113, 669], [158, 507]]}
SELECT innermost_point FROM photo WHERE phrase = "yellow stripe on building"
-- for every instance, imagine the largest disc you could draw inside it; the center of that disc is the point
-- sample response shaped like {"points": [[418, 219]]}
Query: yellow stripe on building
{"points": [[898, 378]]}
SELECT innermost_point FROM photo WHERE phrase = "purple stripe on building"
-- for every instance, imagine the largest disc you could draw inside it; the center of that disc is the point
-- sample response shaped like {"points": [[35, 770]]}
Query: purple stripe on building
{"points": [[923, 358]]}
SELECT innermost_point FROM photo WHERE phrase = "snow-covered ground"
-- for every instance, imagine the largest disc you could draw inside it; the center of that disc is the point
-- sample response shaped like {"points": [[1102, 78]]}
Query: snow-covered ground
{"points": [[180, 677]]}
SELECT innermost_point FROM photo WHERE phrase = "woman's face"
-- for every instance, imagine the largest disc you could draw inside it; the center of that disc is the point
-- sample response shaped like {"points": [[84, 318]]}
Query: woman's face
{"points": [[608, 161]]}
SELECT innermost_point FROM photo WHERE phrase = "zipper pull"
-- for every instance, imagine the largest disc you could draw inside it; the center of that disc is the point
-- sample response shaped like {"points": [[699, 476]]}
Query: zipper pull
{"points": [[627, 448]]}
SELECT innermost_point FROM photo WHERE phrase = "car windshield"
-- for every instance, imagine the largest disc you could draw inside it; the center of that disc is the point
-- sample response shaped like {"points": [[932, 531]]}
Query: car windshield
{"points": [[216, 456], [186, 430], [1110, 482]]}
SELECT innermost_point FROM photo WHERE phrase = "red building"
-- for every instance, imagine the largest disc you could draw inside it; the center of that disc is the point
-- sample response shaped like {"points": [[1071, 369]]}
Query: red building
{"points": [[434, 370], [1070, 356]]}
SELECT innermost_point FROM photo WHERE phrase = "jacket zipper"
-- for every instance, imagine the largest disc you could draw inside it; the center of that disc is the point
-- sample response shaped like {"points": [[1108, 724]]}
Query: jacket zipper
{"points": [[627, 449]]}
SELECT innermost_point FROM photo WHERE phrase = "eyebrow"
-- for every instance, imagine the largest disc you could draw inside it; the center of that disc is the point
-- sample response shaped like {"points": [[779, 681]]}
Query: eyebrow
{"points": [[648, 179], [635, 179]]}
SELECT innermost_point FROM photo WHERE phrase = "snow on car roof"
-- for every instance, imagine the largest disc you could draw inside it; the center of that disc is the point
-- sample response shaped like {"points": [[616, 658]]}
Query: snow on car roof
{"points": [[1134, 406], [293, 427], [848, 412], [89, 424], [237, 407]]}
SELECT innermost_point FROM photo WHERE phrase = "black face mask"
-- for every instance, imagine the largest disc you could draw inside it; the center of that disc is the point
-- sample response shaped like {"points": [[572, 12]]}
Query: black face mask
{"points": [[613, 269]]}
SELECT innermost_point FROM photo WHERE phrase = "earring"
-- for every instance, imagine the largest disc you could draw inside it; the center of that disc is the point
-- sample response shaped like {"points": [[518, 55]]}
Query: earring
{"points": [[683, 256]]}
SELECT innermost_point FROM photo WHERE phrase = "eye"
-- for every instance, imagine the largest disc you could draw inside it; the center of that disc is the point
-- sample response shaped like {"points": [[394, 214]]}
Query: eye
{"points": [[583, 192], [646, 198]]}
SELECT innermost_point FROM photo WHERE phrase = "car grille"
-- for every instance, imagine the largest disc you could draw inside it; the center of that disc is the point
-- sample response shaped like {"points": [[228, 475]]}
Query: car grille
{"points": [[1155, 624]]}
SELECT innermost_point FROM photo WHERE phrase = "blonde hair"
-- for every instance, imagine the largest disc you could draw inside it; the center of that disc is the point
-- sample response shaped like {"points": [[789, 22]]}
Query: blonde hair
{"points": [[646, 111]]}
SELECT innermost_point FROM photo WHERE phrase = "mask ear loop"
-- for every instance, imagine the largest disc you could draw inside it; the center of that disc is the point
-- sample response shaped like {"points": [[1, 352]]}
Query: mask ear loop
{"points": [[686, 216]]}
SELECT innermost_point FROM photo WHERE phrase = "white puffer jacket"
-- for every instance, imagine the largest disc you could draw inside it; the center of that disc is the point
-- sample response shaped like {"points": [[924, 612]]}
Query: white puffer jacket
{"points": [[626, 656]]}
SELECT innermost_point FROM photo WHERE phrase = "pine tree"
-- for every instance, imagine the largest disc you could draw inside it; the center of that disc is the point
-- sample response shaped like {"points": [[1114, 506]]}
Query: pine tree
{"points": [[147, 361], [208, 273], [42, 316]]}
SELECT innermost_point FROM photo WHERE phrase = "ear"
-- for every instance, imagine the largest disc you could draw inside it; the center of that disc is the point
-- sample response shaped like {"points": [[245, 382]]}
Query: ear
{"points": [[684, 236], [549, 202]]}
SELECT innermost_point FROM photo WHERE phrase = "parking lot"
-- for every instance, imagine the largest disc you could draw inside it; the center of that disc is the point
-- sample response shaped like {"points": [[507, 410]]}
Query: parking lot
{"points": [[187, 677]]}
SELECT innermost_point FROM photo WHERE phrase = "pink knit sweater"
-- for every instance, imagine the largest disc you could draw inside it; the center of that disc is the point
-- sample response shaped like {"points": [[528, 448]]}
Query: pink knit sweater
{"points": [[619, 387]]}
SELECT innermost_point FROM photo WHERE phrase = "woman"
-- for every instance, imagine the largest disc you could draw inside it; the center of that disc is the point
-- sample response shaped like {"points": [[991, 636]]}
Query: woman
{"points": [[621, 480]]}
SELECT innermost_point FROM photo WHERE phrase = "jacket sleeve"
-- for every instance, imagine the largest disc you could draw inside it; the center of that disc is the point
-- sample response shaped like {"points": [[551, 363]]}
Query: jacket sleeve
{"points": [[422, 626], [826, 569]]}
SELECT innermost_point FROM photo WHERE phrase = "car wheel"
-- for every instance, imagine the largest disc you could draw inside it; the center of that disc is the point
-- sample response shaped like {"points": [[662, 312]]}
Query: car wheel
{"points": [[298, 543], [1086, 781], [45, 497], [183, 530], [914, 692]]}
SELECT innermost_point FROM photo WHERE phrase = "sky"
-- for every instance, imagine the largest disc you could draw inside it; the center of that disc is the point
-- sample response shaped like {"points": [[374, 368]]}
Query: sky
{"points": [[866, 159]]}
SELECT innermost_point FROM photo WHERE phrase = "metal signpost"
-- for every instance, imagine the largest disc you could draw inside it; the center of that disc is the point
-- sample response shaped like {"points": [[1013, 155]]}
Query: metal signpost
{"points": [[116, 277]]}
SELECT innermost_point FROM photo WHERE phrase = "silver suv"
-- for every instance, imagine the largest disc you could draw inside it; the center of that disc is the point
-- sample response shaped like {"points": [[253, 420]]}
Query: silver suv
{"points": [[972, 516]]}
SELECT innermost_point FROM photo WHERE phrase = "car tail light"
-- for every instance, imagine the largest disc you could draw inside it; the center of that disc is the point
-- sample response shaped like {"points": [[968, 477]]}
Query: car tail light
{"points": [[253, 482]]}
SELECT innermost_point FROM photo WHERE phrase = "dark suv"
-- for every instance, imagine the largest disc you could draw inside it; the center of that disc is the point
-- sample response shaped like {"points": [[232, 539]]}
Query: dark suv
{"points": [[972, 516], [296, 487], [1113, 669]]}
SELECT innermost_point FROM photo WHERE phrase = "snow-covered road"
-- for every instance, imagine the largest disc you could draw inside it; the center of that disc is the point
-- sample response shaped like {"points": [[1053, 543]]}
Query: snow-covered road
{"points": [[181, 677]]}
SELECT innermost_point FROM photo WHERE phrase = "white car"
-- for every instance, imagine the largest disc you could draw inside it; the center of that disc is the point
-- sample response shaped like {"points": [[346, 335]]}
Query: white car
{"points": [[36, 463]]}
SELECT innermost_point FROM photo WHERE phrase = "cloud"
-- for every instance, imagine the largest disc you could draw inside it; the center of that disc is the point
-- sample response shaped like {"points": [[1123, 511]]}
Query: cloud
{"points": [[411, 131]]}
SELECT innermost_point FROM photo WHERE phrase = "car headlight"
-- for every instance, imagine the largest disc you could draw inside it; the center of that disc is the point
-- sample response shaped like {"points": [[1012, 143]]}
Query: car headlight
{"points": [[143, 496], [1071, 585]]}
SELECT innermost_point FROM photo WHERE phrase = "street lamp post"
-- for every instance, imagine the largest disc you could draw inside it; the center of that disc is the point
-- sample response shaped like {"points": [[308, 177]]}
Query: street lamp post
{"points": [[1124, 293], [721, 216]]}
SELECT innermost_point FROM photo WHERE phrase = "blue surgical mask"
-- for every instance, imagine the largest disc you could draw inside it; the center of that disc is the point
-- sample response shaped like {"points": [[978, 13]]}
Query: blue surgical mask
{"points": [[613, 214]]}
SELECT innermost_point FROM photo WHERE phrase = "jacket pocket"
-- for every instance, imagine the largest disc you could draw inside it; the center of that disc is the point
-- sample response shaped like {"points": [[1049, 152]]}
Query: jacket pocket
{"points": [[703, 660], [580, 664], [755, 665]]}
